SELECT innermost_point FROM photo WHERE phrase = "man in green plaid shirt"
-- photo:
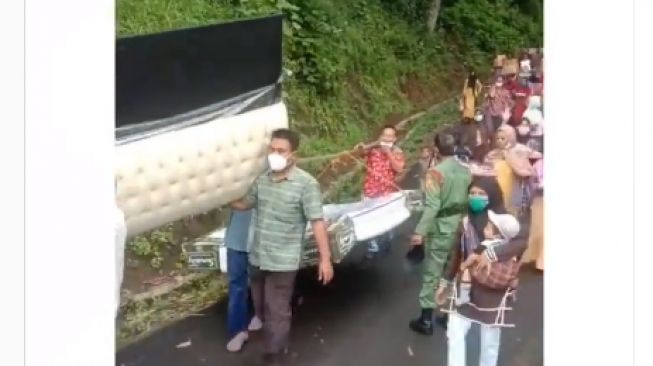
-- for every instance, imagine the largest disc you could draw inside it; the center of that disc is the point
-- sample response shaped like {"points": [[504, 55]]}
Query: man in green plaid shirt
{"points": [[285, 198]]}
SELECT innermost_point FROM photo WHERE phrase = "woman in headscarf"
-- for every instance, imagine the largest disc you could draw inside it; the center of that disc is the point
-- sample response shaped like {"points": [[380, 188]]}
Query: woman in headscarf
{"points": [[513, 168], [488, 190], [489, 307], [471, 90]]}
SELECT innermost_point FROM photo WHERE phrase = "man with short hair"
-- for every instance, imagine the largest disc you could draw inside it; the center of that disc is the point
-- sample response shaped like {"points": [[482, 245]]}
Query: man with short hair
{"points": [[286, 198], [413, 177], [445, 190]]}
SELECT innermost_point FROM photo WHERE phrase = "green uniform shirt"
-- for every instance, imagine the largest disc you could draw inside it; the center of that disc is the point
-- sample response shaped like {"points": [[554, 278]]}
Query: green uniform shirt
{"points": [[446, 190], [283, 209]]}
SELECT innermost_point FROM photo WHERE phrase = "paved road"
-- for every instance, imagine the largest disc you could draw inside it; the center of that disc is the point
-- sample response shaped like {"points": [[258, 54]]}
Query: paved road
{"points": [[360, 319]]}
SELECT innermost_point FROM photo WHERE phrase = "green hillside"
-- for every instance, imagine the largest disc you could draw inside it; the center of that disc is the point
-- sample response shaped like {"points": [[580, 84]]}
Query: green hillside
{"points": [[353, 66], [357, 64]]}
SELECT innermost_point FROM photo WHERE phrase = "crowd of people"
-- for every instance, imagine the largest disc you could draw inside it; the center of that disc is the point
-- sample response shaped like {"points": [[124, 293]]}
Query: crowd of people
{"points": [[482, 182], [483, 212]]}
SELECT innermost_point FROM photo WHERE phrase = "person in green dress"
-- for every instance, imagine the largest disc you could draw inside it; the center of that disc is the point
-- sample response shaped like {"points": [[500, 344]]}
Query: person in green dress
{"points": [[445, 189]]}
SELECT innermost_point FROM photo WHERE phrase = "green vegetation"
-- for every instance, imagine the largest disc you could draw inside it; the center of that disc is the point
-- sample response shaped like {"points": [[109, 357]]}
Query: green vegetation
{"points": [[352, 66], [152, 245], [139, 318], [353, 63]]}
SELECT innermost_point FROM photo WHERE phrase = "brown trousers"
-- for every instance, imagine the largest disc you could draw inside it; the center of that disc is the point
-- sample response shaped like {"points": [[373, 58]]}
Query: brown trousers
{"points": [[271, 295]]}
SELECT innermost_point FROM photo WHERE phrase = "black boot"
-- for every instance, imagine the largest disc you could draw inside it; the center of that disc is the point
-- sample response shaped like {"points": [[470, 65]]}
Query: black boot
{"points": [[423, 324], [442, 320]]}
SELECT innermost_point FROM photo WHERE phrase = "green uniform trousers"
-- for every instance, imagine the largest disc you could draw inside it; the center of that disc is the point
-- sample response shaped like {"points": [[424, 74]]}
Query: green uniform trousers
{"points": [[436, 251]]}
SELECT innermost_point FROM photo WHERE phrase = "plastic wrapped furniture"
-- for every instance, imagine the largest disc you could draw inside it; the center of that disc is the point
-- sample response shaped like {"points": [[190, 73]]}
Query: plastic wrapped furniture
{"points": [[195, 109], [193, 170], [347, 225]]}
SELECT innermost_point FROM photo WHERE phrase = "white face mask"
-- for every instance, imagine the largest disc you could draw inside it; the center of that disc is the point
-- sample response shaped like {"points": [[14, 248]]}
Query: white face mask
{"points": [[498, 85], [490, 242], [478, 117], [277, 162], [386, 144], [524, 129]]}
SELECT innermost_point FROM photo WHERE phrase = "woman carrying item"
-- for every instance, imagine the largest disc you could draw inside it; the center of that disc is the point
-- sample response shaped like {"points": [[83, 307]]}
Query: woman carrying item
{"points": [[486, 252], [498, 101], [471, 91], [513, 169], [535, 250]]}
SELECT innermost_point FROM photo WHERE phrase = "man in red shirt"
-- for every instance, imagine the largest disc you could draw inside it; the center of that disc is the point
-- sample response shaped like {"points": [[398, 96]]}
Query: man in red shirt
{"points": [[385, 161]]}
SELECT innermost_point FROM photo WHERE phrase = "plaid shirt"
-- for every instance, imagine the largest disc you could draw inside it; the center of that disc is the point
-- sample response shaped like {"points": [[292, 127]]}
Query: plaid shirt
{"points": [[283, 209]]}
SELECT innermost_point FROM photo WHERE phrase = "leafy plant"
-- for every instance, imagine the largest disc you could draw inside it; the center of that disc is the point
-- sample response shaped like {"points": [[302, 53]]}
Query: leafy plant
{"points": [[140, 318], [151, 245], [491, 26]]}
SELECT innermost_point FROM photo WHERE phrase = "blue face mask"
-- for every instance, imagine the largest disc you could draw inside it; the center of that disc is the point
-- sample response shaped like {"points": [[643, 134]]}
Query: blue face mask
{"points": [[478, 203]]}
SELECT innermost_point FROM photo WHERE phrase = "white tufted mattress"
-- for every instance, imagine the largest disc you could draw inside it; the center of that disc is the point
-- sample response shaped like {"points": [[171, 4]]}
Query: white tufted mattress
{"points": [[176, 174]]}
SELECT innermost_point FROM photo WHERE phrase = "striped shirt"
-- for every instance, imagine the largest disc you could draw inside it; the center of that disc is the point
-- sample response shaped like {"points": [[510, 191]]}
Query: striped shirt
{"points": [[283, 209]]}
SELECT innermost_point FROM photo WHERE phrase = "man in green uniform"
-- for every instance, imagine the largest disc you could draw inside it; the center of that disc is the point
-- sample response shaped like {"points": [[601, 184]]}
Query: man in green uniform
{"points": [[445, 189]]}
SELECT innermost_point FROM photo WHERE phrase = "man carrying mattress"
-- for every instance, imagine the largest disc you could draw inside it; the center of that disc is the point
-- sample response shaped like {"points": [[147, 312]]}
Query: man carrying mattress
{"points": [[385, 161], [445, 190], [237, 240], [285, 198]]}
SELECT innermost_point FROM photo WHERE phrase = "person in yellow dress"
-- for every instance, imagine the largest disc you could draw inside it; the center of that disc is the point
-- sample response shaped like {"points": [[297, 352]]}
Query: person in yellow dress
{"points": [[469, 98]]}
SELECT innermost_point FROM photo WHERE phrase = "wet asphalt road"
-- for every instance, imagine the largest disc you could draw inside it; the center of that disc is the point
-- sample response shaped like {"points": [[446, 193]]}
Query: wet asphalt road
{"points": [[360, 319]]}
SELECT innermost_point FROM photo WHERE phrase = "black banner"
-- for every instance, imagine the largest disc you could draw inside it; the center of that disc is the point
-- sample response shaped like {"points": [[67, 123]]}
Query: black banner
{"points": [[160, 76]]}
